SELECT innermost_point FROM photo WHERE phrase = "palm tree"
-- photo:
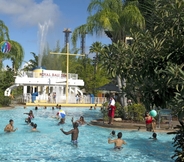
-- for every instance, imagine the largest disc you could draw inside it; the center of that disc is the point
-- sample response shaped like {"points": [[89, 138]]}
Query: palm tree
{"points": [[16, 55], [114, 17], [32, 63], [96, 48], [3, 31]]}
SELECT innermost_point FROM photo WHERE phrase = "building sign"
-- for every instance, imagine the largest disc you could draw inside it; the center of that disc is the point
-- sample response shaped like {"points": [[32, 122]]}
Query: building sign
{"points": [[50, 74]]}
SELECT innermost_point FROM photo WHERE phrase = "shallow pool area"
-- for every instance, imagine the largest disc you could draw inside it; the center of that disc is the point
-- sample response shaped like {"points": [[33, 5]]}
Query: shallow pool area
{"points": [[50, 144]]}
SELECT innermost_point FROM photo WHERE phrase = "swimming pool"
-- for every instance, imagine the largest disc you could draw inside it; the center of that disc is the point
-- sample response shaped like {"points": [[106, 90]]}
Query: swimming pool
{"points": [[52, 145]]}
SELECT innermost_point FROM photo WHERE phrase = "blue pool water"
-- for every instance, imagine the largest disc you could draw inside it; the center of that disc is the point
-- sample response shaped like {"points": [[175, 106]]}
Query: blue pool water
{"points": [[52, 145]]}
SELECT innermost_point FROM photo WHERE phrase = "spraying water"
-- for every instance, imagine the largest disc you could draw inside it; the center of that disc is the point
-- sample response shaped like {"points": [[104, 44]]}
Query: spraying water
{"points": [[42, 34]]}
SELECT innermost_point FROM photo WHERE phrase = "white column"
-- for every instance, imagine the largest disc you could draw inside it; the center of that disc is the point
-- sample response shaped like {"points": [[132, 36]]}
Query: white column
{"points": [[25, 90], [44, 93], [33, 89], [76, 90]]}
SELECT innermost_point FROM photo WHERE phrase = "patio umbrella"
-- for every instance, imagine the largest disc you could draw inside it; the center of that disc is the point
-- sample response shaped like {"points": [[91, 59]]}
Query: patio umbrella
{"points": [[109, 87]]}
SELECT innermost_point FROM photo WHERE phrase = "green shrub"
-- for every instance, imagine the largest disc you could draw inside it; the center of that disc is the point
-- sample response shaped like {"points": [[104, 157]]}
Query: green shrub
{"points": [[178, 142], [104, 111], [136, 112], [4, 100], [118, 111]]}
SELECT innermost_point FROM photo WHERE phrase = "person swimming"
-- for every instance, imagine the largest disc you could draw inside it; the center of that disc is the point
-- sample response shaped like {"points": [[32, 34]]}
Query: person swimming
{"points": [[62, 121], [112, 135], [154, 136], [74, 133], [32, 124], [34, 129], [30, 114], [81, 121], [117, 142], [9, 127], [28, 120]]}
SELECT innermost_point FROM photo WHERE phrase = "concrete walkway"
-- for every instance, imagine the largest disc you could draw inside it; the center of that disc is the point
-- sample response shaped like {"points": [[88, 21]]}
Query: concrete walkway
{"points": [[134, 126]]}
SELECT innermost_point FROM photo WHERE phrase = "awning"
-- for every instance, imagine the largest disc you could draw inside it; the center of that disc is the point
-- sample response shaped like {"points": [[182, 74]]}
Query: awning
{"points": [[109, 87]]}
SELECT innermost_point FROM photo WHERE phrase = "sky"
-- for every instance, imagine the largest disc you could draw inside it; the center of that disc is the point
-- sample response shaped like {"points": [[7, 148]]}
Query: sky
{"points": [[32, 22]]}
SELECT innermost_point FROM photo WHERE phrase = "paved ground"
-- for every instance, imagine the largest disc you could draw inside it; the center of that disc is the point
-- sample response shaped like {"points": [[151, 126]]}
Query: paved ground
{"points": [[135, 126]]}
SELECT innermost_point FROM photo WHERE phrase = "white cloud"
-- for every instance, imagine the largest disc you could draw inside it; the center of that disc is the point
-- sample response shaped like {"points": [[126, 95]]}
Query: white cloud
{"points": [[29, 12]]}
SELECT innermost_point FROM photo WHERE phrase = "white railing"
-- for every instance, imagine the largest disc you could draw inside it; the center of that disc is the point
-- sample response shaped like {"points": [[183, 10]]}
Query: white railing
{"points": [[27, 98]]}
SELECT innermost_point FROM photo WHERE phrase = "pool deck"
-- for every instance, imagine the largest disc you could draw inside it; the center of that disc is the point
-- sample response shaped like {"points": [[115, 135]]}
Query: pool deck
{"points": [[134, 126]]}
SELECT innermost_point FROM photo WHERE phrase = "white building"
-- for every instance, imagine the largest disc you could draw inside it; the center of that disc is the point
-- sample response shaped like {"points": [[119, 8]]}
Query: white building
{"points": [[49, 86]]}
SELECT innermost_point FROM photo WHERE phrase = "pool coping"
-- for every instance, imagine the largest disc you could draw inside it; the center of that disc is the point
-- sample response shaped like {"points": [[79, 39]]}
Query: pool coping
{"points": [[133, 126]]}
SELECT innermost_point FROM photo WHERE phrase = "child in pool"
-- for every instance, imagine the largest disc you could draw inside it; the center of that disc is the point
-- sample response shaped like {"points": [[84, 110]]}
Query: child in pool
{"points": [[112, 135], [81, 121], [117, 142], [34, 128], [154, 136], [62, 121]]}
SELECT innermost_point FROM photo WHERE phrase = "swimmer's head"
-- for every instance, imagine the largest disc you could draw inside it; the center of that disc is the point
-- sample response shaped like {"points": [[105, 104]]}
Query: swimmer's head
{"points": [[75, 124], [113, 132], [10, 120], [82, 118], [35, 125], [119, 135], [154, 135]]}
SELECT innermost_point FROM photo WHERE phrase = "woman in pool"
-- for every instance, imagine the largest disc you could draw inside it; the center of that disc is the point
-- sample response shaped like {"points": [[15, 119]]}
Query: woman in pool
{"points": [[150, 121], [30, 114], [81, 121]]}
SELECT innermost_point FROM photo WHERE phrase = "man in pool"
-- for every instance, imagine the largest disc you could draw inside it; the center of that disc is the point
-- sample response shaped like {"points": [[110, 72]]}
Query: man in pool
{"points": [[34, 128], [9, 127], [117, 142], [74, 133]]}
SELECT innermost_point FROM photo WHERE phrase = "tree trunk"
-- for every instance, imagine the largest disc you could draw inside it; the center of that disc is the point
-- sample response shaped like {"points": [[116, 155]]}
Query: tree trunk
{"points": [[121, 83]]}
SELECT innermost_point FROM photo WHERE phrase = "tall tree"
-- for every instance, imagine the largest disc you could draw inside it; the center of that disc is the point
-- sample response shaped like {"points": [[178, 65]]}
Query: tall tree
{"points": [[96, 48], [145, 64], [16, 55], [115, 17], [32, 63]]}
